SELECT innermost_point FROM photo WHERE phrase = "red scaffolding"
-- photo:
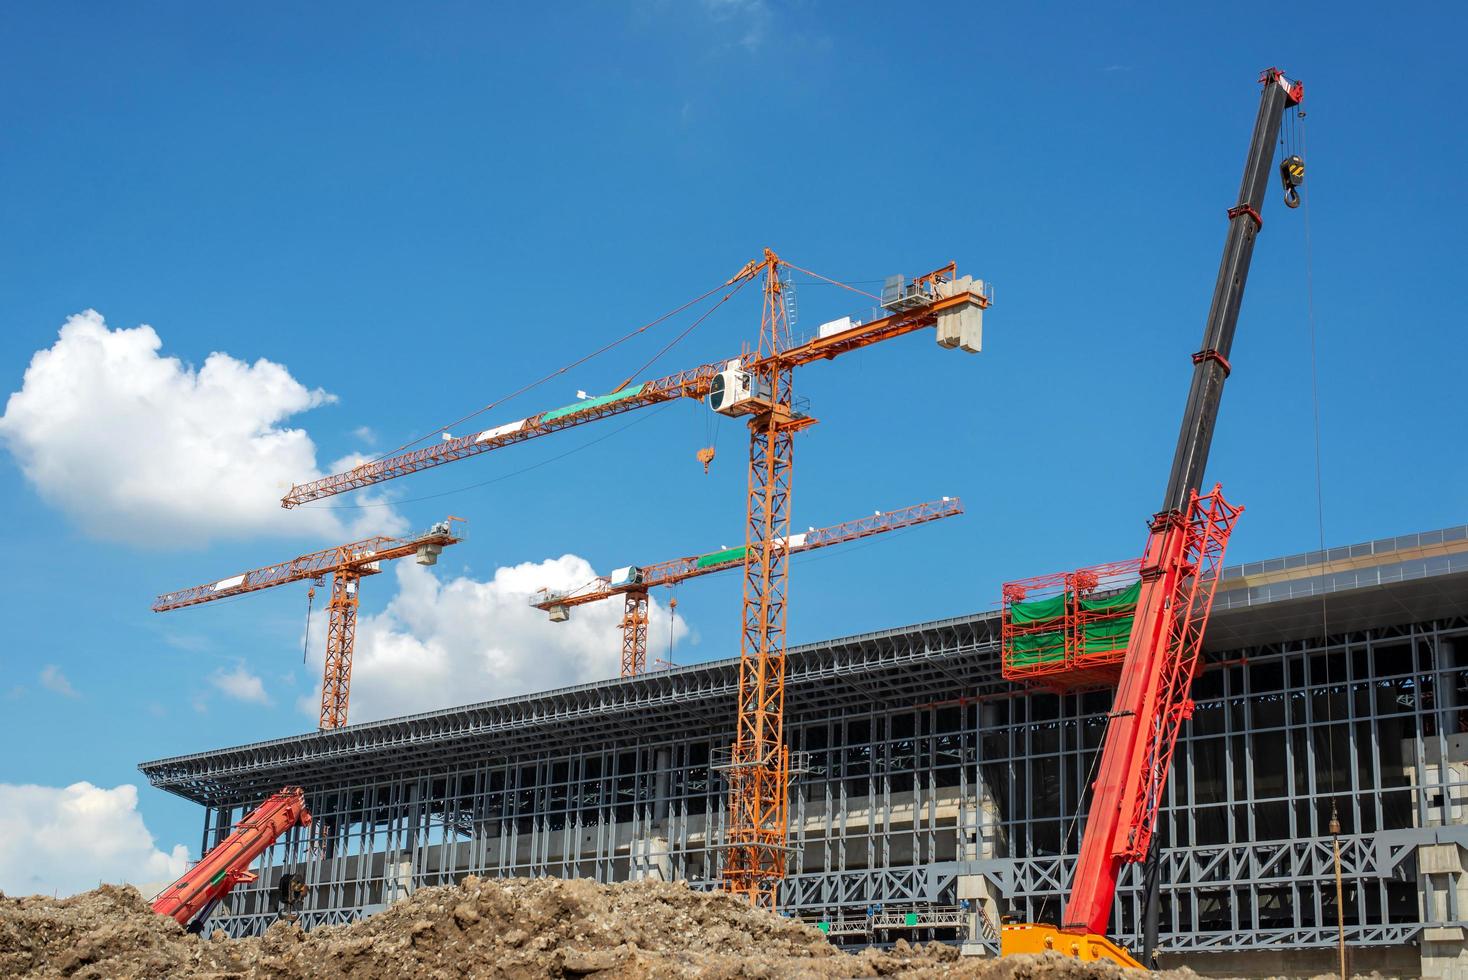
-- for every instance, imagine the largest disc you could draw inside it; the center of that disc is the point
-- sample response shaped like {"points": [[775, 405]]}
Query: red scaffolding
{"points": [[1069, 630]]}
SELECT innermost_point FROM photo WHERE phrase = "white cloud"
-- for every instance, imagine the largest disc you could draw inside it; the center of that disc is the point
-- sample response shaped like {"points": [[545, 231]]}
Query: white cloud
{"points": [[439, 644], [53, 680], [365, 434], [139, 447], [241, 685], [753, 16], [66, 840]]}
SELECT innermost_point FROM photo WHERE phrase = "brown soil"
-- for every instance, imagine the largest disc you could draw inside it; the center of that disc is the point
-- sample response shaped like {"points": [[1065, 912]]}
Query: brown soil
{"points": [[483, 928]]}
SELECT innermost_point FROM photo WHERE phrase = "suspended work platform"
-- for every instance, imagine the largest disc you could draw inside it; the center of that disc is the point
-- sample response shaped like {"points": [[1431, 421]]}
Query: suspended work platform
{"points": [[1069, 630]]}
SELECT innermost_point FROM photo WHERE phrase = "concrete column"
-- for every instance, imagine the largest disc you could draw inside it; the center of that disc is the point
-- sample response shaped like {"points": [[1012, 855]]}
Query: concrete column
{"points": [[1442, 869], [1441, 878], [651, 857], [662, 779], [984, 898], [400, 875]]}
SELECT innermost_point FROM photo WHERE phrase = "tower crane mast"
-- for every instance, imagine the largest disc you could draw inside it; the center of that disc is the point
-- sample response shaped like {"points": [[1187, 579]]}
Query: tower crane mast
{"points": [[634, 582], [1179, 573], [347, 565]]}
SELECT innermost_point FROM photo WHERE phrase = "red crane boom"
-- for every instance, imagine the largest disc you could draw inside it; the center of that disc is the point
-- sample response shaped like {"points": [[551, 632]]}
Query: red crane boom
{"points": [[1179, 571], [189, 900]]}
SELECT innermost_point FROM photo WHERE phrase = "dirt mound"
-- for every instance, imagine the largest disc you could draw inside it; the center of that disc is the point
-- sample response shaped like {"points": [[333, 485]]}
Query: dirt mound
{"points": [[110, 932], [544, 927]]}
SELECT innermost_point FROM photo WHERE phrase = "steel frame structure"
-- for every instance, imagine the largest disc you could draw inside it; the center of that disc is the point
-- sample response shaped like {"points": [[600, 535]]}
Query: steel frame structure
{"points": [[924, 770]]}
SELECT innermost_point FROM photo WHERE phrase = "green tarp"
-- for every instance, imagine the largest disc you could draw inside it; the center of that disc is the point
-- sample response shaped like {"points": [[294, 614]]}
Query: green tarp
{"points": [[1038, 611], [1125, 598], [590, 403], [1037, 648], [719, 557], [1108, 636]]}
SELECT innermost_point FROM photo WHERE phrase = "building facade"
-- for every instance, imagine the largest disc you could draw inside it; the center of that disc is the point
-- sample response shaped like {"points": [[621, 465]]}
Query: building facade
{"points": [[932, 798]]}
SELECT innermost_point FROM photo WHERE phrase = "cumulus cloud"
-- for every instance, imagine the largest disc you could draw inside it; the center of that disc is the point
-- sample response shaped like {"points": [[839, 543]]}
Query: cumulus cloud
{"points": [[135, 446], [67, 839], [241, 685], [439, 644], [53, 680]]}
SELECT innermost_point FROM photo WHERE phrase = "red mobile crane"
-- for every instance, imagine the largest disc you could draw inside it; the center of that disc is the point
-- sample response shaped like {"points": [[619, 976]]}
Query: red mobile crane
{"points": [[189, 900], [1179, 571]]}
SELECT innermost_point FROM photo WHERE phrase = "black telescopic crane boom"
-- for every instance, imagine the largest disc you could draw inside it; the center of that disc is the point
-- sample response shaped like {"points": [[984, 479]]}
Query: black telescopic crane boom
{"points": [[1211, 367]]}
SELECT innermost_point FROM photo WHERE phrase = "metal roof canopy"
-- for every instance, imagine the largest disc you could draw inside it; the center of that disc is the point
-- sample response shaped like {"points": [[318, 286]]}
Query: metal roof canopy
{"points": [[1413, 578]]}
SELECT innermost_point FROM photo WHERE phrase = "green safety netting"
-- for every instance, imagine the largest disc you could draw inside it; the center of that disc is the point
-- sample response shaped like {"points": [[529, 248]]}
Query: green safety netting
{"points": [[1106, 636], [1125, 598], [1110, 635], [719, 557], [1037, 648], [589, 403], [1038, 610]]}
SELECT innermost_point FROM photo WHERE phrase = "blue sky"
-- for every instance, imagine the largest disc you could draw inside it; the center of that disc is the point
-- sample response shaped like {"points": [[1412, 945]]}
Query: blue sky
{"points": [[415, 210]]}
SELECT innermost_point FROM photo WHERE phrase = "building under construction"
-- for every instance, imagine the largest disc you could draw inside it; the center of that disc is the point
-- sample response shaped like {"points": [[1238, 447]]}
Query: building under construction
{"points": [[931, 797]]}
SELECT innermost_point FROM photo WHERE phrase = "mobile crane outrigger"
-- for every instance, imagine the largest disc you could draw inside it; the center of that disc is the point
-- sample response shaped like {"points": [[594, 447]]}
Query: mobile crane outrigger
{"points": [[1179, 572]]}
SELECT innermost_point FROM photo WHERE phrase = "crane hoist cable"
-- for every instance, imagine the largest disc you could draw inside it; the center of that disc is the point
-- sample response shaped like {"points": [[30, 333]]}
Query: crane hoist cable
{"points": [[556, 373], [1287, 172], [833, 282], [678, 339], [310, 598], [503, 476]]}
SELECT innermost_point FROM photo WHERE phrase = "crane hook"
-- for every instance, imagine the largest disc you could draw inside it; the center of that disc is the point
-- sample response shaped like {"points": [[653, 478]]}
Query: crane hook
{"points": [[706, 456], [1292, 175], [306, 643]]}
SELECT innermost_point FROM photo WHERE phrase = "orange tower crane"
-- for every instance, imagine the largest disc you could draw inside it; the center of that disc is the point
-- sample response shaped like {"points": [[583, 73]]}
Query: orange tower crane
{"points": [[346, 564], [634, 582], [757, 384]]}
